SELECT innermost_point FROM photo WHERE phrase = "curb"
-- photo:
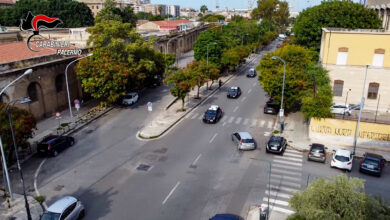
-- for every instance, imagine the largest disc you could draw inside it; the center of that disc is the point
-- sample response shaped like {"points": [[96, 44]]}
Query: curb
{"points": [[171, 103]]}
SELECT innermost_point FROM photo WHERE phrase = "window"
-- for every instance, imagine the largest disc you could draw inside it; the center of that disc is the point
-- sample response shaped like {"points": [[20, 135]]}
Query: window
{"points": [[338, 88], [93, 7], [68, 211], [342, 56], [379, 55], [60, 83], [32, 92], [373, 89], [97, 7]]}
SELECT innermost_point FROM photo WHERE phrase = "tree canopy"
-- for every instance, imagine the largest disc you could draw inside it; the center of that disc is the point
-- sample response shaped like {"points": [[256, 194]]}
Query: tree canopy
{"points": [[111, 12], [212, 40], [274, 11], [203, 8], [336, 14]]}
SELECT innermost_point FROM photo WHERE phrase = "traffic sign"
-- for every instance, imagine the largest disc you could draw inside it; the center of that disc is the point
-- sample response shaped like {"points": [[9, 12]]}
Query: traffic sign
{"points": [[58, 115], [281, 113], [76, 101]]}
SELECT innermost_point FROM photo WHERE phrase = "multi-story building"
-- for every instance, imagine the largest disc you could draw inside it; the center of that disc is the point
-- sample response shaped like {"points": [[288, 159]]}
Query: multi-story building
{"points": [[6, 3], [156, 9], [97, 5], [173, 10], [382, 7], [345, 54]]}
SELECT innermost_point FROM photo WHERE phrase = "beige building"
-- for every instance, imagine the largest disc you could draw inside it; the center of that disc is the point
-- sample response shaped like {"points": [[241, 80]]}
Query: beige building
{"points": [[345, 53], [382, 7], [97, 5]]}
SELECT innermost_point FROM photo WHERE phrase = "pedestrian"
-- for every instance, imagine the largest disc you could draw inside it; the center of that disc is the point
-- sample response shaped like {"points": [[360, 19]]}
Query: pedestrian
{"points": [[220, 83]]}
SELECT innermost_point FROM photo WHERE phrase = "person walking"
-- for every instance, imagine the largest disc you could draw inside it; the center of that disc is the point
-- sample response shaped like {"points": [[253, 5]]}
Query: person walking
{"points": [[220, 83]]}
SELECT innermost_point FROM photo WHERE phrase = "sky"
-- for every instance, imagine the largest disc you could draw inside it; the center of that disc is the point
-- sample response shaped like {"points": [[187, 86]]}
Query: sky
{"points": [[299, 5]]}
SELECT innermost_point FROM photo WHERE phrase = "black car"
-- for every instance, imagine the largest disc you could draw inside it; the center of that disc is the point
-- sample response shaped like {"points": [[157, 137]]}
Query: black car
{"points": [[52, 145], [271, 107], [372, 164], [213, 114], [225, 217], [234, 92], [317, 153], [276, 144]]}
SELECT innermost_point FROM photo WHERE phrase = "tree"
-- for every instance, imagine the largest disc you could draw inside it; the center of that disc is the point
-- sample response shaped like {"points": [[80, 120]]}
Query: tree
{"points": [[128, 16], [156, 18], [212, 18], [143, 15], [265, 9], [337, 14], [281, 16], [109, 12], [207, 39], [203, 8], [230, 59], [181, 81]]}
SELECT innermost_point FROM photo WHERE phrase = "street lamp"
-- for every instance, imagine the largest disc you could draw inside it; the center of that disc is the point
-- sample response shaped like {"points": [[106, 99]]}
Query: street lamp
{"points": [[346, 98], [27, 72], [360, 113], [67, 85], [9, 110], [281, 103]]}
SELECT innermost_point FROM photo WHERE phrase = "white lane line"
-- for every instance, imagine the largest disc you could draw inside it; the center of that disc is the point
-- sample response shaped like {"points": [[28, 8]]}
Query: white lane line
{"points": [[194, 116], [278, 194], [278, 209], [212, 139], [262, 123], [249, 91], [235, 109], [289, 184], [286, 172], [196, 160], [288, 158], [35, 180], [270, 123], [286, 189], [243, 99], [289, 178], [275, 201], [231, 119], [170, 193], [246, 121], [254, 122], [287, 162], [293, 155], [287, 167], [224, 124], [238, 120]]}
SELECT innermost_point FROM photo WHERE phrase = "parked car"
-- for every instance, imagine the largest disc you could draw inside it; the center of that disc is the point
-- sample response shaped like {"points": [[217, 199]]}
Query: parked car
{"points": [[271, 107], [234, 92], [372, 164], [317, 153], [54, 144], [244, 141], [225, 217], [340, 109], [342, 159], [276, 144], [251, 72], [213, 114], [354, 107], [66, 208], [154, 81], [130, 98]]}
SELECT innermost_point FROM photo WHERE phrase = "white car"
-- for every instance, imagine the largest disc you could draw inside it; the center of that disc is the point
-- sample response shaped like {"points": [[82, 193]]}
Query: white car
{"points": [[66, 208], [340, 109], [342, 159], [130, 98]]}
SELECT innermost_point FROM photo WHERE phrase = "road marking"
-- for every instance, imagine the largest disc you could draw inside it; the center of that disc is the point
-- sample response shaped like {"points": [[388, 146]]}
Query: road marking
{"points": [[188, 115], [293, 151], [267, 134], [289, 158], [287, 162], [238, 120], [174, 188], [262, 123], [274, 208], [194, 116], [277, 188], [286, 172], [224, 124], [235, 109], [196, 160], [231, 119], [292, 155], [285, 177], [278, 195], [35, 180], [270, 123], [254, 84], [254, 122], [286, 167], [212, 139], [246, 121], [249, 91], [200, 117], [294, 185], [275, 201], [243, 99]]}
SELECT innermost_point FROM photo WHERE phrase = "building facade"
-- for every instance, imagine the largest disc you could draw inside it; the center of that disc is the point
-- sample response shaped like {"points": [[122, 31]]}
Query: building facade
{"points": [[382, 7], [345, 54], [173, 10], [97, 5]]}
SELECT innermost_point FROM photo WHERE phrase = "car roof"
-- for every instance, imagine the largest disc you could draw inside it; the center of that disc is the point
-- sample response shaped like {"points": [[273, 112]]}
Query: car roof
{"points": [[374, 156], [343, 152], [315, 145], [340, 104], [214, 107], [131, 93], [49, 139], [60, 205], [276, 138], [234, 87], [252, 69], [245, 135], [225, 217]]}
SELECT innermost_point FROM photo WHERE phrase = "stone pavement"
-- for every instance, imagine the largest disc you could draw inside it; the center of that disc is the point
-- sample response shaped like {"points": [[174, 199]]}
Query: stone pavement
{"points": [[18, 210]]}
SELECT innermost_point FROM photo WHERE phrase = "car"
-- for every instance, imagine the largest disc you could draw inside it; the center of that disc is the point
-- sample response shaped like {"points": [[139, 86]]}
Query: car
{"points": [[372, 164], [340, 109], [342, 159], [225, 217], [154, 81], [251, 72], [129, 99], [244, 141], [276, 144], [354, 106], [213, 114], [281, 37], [66, 208], [317, 153], [54, 144], [234, 92], [271, 107]]}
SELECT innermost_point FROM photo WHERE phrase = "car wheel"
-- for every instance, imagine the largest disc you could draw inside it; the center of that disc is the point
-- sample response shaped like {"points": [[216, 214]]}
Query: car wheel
{"points": [[81, 215], [349, 170], [71, 143], [55, 153]]}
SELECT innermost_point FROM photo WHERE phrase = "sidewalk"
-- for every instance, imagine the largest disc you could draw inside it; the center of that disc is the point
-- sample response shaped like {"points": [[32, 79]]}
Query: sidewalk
{"points": [[18, 210]]}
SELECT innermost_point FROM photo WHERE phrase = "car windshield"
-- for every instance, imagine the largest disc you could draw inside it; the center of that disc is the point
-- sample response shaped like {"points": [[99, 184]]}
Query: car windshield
{"points": [[211, 112], [342, 158], [371, 162], [232, 91], [274, 143], [318, 149], [128, 97], [247, 141], [50, 216]]}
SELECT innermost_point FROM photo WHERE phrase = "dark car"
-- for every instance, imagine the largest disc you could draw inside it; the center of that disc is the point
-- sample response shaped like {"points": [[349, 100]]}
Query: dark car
{"points": [[317, 153], [372, 164], [225, 217], [276, 144], [213, 114], [271, 107], [54, 144], [234, 92], [154, 82]]}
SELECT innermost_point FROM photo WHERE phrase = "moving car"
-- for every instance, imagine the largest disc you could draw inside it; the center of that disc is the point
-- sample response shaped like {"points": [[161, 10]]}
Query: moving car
{"points": [[276, 144], [54, 144], [66, 208], [271, 107], [244, 141], [251, 72], [342, 159], [213, 114], [130, 98], [317, 153], [372, 164], [340, 109], [234, 92], [225, 217]]}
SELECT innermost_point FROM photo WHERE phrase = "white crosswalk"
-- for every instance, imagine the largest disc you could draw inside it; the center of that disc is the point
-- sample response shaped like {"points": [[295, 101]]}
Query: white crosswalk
{"points": [[285, 180]]}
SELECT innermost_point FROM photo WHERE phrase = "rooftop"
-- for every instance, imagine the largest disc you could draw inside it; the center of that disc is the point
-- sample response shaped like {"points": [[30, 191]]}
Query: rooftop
{"points": [[6, 2], [362, 31]]}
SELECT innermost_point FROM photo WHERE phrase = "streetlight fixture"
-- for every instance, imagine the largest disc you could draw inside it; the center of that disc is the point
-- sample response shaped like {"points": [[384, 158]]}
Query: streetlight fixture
{"points": [[281, 113], [27, 72], [9, 111], [360, 112], [67, 85], [346, 98]]}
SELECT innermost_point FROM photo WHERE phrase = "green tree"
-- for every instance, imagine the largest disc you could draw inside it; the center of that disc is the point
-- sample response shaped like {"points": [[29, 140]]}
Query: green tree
{"points": [[265, 9], [207, 39], [128, 16], [203, 8], [156, 18], [212, 18], [109, 12], [182, 85], [143, 15], [336, 14], [281, 16], [230, 59]]}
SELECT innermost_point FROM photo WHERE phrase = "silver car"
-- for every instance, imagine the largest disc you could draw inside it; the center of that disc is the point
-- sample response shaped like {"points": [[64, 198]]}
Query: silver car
{"points": [[340, 109], [130, 98], [244, 141], [66, 208]]}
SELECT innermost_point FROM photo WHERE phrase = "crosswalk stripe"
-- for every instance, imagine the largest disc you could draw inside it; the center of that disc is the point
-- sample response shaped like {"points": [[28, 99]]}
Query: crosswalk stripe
{"points": [[293, 151], [223, 118], [270, 124], [238, 120], [254, 122], [276, 201], [278, 209], [285, 177], [287, 172], [200, 117], [289, 158], [246, 121], [231, 119], [293, 155], [284, 183], [194, 116], [287, 167], [287, 162], [278, 194], [188, 115], [282, 188], [262, 122]]}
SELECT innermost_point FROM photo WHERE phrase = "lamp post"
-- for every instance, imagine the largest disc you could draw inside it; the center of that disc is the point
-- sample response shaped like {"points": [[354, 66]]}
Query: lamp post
{"points": [[67, 85], [27, 72], [360, 113], [346, 98], [9, 110], [281, 103]]}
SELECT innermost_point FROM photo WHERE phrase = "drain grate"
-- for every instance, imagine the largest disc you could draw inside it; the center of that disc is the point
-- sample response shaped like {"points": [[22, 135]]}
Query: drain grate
{"points": [[144, 167]]}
